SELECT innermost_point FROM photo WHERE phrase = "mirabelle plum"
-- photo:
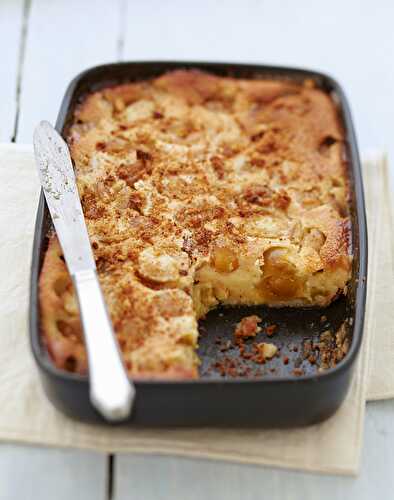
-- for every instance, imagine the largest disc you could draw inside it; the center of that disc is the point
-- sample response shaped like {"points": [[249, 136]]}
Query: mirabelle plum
{"points": [[279, 274], [224, 260]]}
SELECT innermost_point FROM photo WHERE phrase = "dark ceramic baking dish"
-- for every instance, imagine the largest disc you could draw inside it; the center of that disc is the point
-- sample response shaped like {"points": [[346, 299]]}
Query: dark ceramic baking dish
{"points": [[276, 397]]}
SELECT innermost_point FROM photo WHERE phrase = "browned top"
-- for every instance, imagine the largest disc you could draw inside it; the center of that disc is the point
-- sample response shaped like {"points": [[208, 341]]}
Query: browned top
{"points": [[191, 179]]}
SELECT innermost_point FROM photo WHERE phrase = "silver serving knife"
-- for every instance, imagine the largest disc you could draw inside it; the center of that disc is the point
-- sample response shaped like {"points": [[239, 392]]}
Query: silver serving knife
{"points": [[111, 392]]}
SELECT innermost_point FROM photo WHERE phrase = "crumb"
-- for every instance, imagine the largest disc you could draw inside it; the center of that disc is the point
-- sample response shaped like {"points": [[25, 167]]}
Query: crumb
{"points": [[323, 319], [225, 346], [340, 335], [248, 327], [298, 372], [285, 360], [312, 359], [270, 330], [325, 336], [333, 347], [267, 350], [259, 359]]}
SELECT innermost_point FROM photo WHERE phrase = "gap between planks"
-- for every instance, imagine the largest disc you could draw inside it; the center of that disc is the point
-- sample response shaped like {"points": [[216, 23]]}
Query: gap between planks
{"points": [[21, 60], [110, 476], [120, 46], [27, 7]]}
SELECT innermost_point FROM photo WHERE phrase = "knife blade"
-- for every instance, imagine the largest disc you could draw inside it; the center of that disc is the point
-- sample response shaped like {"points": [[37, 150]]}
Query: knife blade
{"points": [[111, 392]]}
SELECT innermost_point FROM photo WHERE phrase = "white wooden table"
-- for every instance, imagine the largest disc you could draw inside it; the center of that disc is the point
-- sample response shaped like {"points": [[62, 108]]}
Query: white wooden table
{"points": [[44, 43]]}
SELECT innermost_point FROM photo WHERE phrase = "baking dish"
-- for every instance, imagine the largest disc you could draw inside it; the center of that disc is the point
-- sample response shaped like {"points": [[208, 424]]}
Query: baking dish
{"points": [[279, 398]]}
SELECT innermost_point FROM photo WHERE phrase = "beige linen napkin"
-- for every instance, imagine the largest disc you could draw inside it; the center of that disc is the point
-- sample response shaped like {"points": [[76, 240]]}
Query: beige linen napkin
{"points": [[381, 277], [26, 416]]}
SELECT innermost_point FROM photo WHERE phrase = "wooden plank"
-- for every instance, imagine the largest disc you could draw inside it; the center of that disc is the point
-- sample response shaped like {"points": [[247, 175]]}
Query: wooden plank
{"points": [[195, 479], [353, 41], [63, 39], [29, 473], [11, 22]]}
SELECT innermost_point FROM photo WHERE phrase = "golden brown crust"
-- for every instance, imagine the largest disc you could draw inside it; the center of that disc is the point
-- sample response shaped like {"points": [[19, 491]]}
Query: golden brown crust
{"points": [[199, 190], [60, 319]]}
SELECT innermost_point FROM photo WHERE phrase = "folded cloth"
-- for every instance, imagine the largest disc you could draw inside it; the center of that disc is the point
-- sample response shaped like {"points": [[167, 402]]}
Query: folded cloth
{"points": [[378, 199], [331, 447]]}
